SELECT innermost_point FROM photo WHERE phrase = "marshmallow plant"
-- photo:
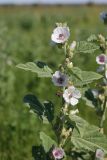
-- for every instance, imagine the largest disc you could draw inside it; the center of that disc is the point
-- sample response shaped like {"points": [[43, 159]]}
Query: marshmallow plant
{"points": [[73, 138]]}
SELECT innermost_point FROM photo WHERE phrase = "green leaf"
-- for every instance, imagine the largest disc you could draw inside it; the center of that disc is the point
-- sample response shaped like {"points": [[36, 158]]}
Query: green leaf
{"points": [[79, 122], [88, 137], [49, 110], [86, 47], [40, 68], [38, 152], [45, 111], [77, 72], [80, 77], [88, 102], [90, 99], [34, 104], [92, 38], [47, 141]]}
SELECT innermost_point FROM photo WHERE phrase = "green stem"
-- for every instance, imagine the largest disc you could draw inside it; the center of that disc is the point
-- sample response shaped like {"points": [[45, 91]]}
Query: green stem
{"points": [[65, 49], [103, 114]]}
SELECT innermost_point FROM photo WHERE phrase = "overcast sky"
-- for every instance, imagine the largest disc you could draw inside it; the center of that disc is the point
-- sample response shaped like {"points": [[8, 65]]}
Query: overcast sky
{"points": [[50, 1]]}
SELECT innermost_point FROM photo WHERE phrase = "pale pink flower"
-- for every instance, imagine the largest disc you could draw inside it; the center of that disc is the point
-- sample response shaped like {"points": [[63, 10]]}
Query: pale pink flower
{"points": [[58, 153], [59, 79], [60, 34], [101, 59], [71, 95], [99, 154]]}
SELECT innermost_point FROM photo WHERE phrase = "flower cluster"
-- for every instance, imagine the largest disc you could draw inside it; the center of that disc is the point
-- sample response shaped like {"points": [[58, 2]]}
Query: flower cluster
{"points": [[71, 95], [70, 80]]}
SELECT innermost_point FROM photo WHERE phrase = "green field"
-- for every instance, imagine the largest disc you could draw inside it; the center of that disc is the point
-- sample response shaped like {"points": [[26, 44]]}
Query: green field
{"points": [[25, 36]]}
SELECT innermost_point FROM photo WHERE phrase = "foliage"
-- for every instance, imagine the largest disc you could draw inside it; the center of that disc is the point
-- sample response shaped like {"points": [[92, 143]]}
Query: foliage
{"points": [[86, 136], [86, 47], [30, 42], [83, 135], [40, 68]]}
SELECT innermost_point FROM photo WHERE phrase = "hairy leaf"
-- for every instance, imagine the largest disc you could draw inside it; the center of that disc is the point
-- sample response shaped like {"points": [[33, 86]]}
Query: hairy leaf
{"points": [[77, 72], [86, 47], [34, 104], [40, 68], [88, 137], [90, 99], [44, 111], [47, 141], [80, 77], [92, 38], [38, 152], [49, 110], [79, 122]]}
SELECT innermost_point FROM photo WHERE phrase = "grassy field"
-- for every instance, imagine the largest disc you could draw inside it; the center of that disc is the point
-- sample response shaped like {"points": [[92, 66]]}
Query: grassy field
{"points": [[25, 36]]}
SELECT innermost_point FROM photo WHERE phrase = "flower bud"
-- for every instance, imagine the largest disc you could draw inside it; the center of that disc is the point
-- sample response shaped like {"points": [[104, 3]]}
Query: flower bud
{"points": [[70, 65], [74, 112], [73, 45], [101, 38]]}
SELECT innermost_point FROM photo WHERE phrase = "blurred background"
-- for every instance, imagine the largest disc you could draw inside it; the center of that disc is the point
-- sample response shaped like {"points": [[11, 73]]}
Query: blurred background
{"points": [[25, 31]]}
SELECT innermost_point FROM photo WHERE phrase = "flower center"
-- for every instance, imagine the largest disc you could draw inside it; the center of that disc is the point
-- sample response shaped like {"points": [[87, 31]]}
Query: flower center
{"points": [[60, 80], [102, 59], [61, 36], [70, 96], [57, 154]]}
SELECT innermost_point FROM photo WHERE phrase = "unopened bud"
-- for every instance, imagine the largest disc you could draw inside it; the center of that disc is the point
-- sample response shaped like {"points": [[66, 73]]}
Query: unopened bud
{"points": [[70, 65], [73, 112], [73, 45], [101, 38]]}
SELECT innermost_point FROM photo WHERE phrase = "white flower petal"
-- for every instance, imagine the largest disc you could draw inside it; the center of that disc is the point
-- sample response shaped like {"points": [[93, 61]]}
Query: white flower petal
{"points": [[76, 94], [57, 74], [71, 89], [73, 101], [66, 98]]}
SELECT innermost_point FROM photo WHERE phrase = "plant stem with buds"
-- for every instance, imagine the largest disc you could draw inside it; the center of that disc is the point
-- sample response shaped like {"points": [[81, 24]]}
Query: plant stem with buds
{"points": [[103, 115]]}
